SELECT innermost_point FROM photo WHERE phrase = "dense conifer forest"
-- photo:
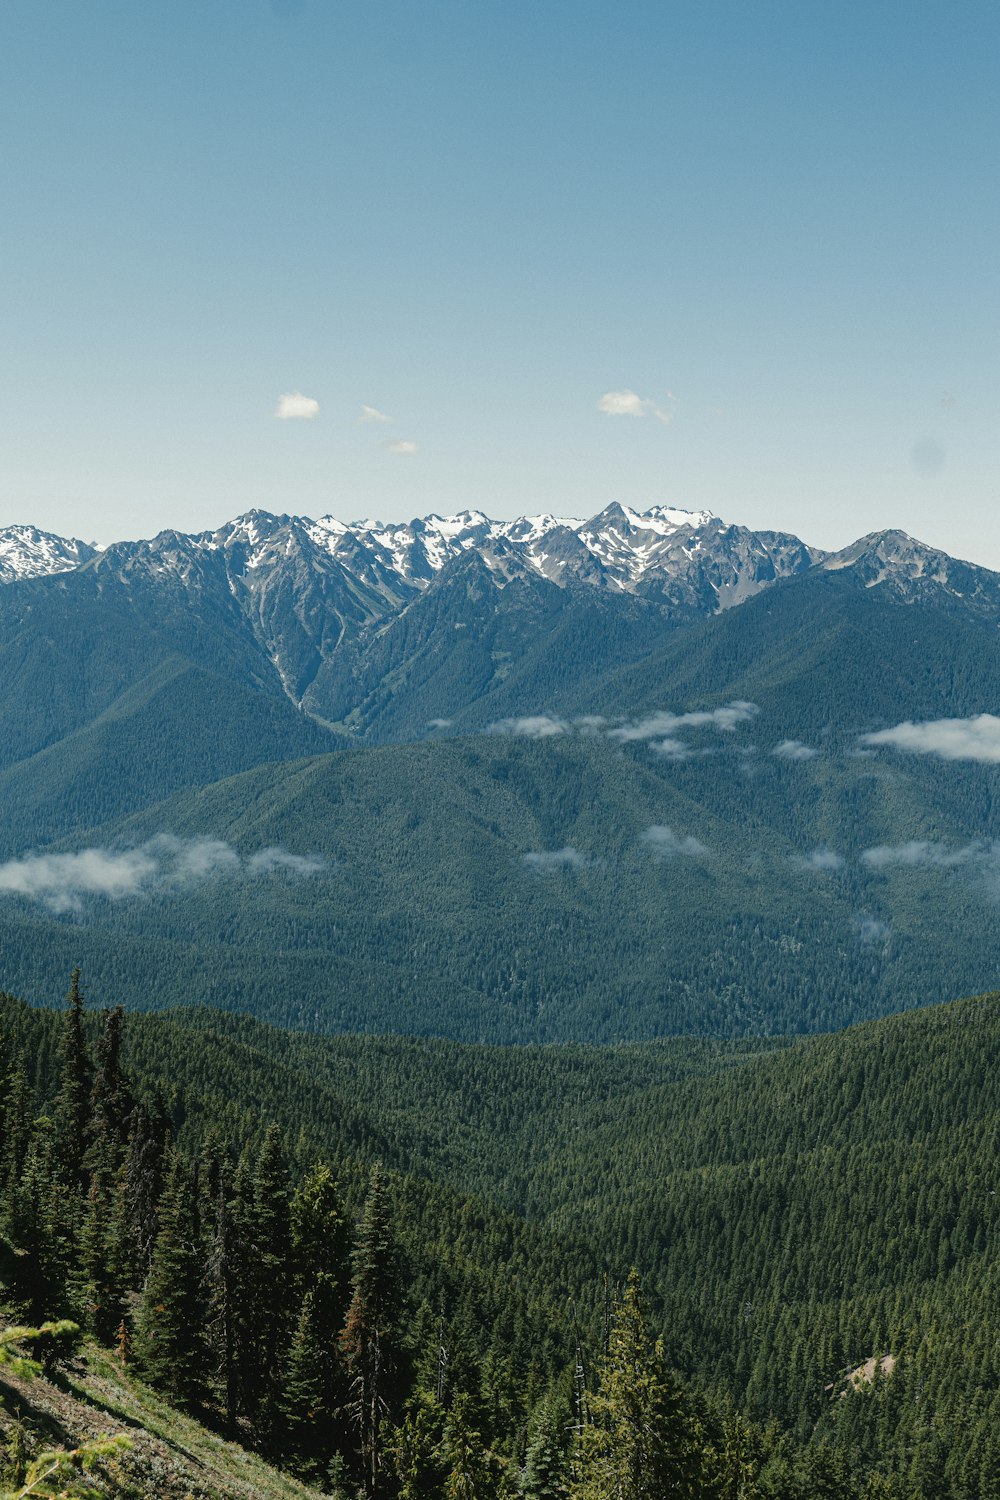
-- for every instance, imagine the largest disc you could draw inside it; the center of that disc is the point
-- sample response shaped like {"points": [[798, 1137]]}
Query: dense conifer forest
{"points": [[415, 1268]]}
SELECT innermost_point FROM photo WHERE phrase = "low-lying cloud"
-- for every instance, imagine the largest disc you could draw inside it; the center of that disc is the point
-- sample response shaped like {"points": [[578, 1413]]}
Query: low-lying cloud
{"points": [[666, 725], [660, 730], [871, 932], [976, 738], [548, 861], [532, 727], [664, 843], [63, 882], [794, 750], [928, 854], [823, 861]]}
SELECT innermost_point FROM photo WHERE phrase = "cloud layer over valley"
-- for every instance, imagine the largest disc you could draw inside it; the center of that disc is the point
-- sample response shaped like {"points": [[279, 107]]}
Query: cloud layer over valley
{"points": [[63, 882]]}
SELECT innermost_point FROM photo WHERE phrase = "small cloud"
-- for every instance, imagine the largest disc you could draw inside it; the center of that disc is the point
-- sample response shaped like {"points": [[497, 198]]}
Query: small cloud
{"points": [[372, 414], [976, 738], [438, 723], [664, 724], [531, 727], [870, 931], [293, 406], [823, 861], [271, 861], [664, 843], [670, 749], [925, 853], [629, 404], [548, 861], [403, 446], [794, 750]]}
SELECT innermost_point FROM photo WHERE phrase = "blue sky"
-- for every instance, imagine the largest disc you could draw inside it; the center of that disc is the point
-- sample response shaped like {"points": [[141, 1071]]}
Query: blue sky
{"points": [[775, 225]]}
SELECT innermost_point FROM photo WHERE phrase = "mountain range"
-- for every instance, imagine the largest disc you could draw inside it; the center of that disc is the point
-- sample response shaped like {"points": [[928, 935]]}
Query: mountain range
{"points": [[533, 780]]}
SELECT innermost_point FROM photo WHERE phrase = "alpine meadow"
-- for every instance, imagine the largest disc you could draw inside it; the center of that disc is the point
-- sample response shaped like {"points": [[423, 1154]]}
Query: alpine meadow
{"points": [[500, 755]]}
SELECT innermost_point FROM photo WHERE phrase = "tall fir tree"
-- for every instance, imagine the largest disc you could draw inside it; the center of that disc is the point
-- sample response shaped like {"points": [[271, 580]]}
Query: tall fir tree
{"points": [[268, 1277], [170, 1345], [640, 1444], [313, 1385], [111, 1098], [72, 1106], [371, 1335], [545, 1475]]}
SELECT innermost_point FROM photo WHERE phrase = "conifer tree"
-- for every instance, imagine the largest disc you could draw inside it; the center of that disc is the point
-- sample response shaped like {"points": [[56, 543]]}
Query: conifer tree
{"points": [[222, 1287], [99, 1289], [72, 1107], [310, 1394], [546, 1463], [319, 1235], [473, 1473], [268, 1275], [170, 1333], [111, 1098], [17, 1121], [640, 1445], [313, 1381], [140, 1188], [421, 1464], [371, 1335]]}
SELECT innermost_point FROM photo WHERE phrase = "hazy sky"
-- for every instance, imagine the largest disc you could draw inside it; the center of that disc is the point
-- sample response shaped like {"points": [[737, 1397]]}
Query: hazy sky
{"points": [[768, 233]]}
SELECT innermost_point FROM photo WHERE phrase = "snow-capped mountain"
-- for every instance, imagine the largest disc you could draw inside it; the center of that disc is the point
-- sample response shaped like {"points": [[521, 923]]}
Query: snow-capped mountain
{"points": [[380, 630], [911, 571], [27, 552], [662, 550], [684, 557]]}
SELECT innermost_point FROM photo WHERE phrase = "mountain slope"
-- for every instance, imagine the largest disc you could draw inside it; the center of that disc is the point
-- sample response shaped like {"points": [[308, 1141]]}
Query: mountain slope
{"points": [[585, 885], [170, 1456]]}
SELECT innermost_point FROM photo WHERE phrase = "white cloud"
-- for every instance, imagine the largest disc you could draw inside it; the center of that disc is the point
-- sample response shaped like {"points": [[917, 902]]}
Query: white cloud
{"points": [[976, 738], [403, 446], [293, 405], [671, 749], [547, 861], [532, 726], [268, 861], [927, 854], [665, 724], [438, 723], [629, 404], [870, 931], [372, 414], [794, 750], [62, 882], [662, 728], [666, 844], [824, 861]]}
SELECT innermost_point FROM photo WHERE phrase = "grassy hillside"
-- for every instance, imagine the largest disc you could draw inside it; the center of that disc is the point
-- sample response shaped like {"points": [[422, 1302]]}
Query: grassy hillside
{"points": [[170, 1456]]}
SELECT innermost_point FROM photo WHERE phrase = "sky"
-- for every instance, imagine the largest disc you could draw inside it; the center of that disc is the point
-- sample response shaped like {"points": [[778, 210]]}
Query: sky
{"points": [[384, 258]]}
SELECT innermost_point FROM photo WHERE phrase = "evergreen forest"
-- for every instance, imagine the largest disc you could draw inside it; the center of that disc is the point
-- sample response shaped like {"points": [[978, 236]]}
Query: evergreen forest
{"points": [[406, 1267]]}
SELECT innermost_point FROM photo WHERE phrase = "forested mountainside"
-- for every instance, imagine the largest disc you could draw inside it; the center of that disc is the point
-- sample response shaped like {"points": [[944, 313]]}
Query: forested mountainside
{"points": [[813, 1224], [505, 888]]}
